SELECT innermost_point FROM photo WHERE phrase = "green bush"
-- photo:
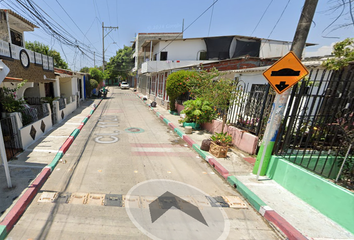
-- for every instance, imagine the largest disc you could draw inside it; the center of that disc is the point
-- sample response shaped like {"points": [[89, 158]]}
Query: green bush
{"points": [[177, 84], [198, 111], [93, 83]]}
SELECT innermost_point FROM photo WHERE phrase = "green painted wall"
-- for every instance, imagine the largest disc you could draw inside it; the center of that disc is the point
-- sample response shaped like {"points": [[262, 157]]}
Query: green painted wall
{"points": [[333, 201]]}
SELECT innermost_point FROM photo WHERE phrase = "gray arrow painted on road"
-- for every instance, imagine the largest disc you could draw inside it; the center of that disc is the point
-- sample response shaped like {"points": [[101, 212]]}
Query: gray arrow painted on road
{"points": [[168, 200]]}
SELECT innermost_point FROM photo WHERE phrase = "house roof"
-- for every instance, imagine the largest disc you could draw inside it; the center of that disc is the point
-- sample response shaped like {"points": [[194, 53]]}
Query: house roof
{"points": [[236, 36], [20, 18], [262, 69]]}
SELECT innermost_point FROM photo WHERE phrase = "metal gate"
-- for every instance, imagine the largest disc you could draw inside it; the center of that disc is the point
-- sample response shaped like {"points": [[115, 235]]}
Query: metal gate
{"points": [[11, 136]]}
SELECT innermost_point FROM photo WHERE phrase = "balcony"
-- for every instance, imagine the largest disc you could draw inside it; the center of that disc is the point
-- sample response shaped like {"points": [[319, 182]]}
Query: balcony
{"points": [[13, 51]]}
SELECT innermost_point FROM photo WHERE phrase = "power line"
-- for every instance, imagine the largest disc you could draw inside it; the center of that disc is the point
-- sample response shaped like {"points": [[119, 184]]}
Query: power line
{"points": [[261, 17], [74, 23], [190, 24], [279, 18], [211, 18]]}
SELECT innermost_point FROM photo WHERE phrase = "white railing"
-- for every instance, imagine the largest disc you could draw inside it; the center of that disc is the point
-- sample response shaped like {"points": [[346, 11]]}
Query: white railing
{"points": [[35, 58]]}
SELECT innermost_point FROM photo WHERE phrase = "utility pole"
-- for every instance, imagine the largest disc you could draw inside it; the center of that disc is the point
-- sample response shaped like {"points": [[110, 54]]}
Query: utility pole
{"points": [[94, 59], [103, 36], [270, 134]]}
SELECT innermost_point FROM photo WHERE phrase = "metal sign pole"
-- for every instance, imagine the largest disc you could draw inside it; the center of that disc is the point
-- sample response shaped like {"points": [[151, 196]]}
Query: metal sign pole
{"points": [[4, 159]]}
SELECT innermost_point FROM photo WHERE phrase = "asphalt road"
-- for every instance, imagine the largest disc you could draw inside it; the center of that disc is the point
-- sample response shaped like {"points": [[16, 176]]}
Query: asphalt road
{"points": [[110, 185]]}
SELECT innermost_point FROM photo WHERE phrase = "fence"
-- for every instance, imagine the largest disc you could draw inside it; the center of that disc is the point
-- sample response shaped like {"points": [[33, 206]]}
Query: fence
{"points": [[11, 136], [34, 113], [33, 100], [251, 108], [317, 129], [61, 103]]}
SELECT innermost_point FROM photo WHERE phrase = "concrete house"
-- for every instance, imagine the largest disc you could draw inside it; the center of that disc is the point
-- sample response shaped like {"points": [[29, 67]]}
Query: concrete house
{"points": [[160, 57]]}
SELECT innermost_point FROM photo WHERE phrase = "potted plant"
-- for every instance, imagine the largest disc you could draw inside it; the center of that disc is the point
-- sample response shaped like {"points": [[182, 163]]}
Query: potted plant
{"points": [[220, 144], [196, 112]]}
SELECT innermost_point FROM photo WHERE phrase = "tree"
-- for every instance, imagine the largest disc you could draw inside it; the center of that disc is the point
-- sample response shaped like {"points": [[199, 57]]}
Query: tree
{"points": [[44, 49], [85, 70], [96, 74], [212, 87], [177, 84], [343, 54], [121, 64]]}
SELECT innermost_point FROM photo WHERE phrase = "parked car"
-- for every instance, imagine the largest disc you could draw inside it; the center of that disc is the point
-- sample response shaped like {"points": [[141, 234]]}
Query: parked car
{"points": [[124, 85]]}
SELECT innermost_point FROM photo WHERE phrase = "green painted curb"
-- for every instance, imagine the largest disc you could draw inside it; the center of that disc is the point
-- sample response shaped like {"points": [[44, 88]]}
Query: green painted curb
{"points": [[179, 132], [252, 198], [55, 160], [75, 133], [166, 120], [85, 120], [92, 111], [3, 232], [267, 156], [202, 153]]}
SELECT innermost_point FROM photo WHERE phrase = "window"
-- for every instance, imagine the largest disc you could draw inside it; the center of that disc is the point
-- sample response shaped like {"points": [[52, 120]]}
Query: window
{"points": [[163, 56], [16, 38], [202, 55]]}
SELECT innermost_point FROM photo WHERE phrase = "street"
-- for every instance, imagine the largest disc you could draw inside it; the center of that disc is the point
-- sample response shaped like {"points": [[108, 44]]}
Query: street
{"points": [[129, 176]]}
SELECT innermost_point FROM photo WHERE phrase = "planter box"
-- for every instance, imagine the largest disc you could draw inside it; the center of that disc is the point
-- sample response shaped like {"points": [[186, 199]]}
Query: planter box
{"points": [[195, 126], [217, 150]]}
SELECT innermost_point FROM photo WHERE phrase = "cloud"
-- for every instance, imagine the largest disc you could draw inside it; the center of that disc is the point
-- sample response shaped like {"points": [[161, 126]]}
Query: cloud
{"points": [[322, 51]]}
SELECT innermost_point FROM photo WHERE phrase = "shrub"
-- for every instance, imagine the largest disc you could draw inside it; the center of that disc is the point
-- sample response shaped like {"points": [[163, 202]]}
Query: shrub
{"points": [[198, 111], [177, 84]]}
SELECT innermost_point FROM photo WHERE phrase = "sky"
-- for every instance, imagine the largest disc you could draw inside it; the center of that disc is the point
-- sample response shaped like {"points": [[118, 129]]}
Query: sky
{"points": [[270, 19]]}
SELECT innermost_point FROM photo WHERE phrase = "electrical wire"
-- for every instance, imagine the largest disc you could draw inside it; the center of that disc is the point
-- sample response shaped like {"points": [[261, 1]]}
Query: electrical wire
{"points": [[287, 4], [211, 18], [190, 24], [261, 17]]}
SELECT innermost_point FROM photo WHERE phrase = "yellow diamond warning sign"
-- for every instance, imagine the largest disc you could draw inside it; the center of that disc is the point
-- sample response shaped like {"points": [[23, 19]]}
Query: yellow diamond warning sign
{"points": [[285, 72]]}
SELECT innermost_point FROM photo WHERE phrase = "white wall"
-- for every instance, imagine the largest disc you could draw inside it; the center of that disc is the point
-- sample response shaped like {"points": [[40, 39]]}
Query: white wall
{"points": [[273, 49], [66, 87], [181, 49], [25, 131]]}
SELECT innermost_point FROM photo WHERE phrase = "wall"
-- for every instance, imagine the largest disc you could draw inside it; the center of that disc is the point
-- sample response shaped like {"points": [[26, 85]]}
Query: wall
{"points": [[25, 131], [274, 49], [65, 87], [330, 199], [34, 73], [31, 90], [238, 63], [180, 49], [241, 139]]}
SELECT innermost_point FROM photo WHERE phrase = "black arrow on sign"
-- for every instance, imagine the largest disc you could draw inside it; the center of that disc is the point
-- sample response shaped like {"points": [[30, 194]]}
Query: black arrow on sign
{"points": [[168, 200], [281, 86]]}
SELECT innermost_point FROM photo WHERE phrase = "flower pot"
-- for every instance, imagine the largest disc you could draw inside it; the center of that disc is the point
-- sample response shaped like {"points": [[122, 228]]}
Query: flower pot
{"points": [[195, 126], [217, 150]]}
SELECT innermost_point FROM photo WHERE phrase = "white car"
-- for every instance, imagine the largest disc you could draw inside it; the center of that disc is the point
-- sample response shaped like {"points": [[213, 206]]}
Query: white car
{"points": [[124, 85]]}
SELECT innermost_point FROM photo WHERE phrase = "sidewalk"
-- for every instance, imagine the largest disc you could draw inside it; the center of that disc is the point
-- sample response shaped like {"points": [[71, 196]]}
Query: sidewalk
{"points": [[295, 218], [30, 169]]}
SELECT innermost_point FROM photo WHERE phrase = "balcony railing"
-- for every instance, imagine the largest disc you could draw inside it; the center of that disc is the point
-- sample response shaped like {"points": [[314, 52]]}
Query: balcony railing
{"points": [[13, 51]]}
